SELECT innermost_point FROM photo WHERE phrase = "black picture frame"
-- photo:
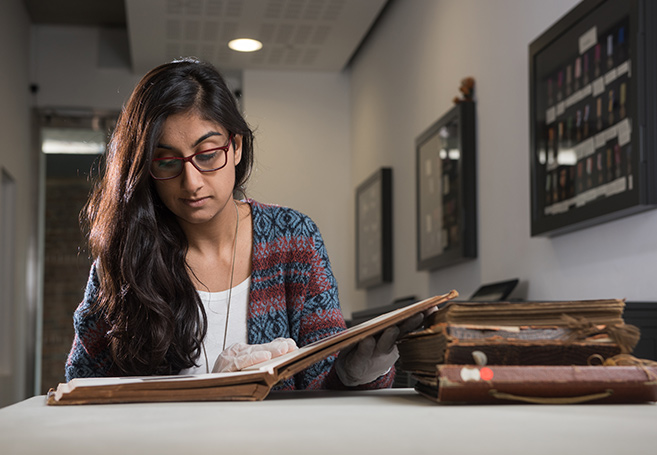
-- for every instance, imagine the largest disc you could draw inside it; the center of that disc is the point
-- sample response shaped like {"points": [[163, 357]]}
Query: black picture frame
{"points": [[593, 116], [374, 230], [446, 190]]}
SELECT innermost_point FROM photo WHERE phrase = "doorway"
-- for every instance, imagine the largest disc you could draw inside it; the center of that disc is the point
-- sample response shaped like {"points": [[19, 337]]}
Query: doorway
{"points": [[72, 146]]}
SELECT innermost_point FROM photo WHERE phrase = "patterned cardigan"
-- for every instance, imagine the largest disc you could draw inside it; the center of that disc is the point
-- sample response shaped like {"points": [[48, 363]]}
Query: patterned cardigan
{"points": [[293, 294]]}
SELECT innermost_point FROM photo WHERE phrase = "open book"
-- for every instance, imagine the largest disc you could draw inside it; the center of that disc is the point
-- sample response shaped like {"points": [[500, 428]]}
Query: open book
{"points": [[250, 384]]}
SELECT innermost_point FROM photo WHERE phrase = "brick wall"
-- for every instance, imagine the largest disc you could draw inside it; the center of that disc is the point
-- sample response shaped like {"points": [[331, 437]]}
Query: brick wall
{"points": [[65, 273]]}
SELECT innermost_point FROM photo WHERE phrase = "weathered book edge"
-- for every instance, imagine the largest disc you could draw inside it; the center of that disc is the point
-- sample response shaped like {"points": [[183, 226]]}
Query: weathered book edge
{"points": [[217, 386], [542, 384]]}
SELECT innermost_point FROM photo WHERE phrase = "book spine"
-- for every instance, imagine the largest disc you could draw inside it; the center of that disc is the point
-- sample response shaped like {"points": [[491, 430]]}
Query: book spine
{"points": [[546, 384], [524, 353]]}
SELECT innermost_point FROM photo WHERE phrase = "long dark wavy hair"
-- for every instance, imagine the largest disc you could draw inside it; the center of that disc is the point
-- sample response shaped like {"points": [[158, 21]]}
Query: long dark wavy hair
{"points": [[157, 321]]}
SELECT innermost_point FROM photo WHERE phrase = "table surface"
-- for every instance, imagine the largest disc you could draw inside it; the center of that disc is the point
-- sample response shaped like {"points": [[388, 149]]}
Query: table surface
{"points": [[366, 422]]}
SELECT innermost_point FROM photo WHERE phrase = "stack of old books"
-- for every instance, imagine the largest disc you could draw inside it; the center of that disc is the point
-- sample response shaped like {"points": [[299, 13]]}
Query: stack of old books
{"points": [[541, 352]]}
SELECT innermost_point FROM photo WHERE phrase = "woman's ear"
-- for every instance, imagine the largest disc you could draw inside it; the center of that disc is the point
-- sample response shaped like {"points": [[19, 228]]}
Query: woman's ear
{"points": [[237, 148]]}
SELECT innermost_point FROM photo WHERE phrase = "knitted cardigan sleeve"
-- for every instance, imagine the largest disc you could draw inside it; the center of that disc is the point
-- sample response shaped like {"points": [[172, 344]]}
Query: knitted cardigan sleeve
{"points": [[294, 293], [322, 316], [90, 354]]}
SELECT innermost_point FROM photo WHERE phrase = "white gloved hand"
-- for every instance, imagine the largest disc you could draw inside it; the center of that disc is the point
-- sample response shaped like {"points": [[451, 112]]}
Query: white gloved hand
{"points": [[241, 355], [371, 358]]}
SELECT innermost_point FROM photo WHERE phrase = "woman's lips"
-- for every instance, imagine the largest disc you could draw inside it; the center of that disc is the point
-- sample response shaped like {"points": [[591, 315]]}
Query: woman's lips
{"points": [[199, 202]]}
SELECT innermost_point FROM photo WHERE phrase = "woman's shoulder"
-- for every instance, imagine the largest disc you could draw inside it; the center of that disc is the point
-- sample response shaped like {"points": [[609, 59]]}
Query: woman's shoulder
{"points": [[271, 209], [278, 213], [274, 219], [87, 307]]}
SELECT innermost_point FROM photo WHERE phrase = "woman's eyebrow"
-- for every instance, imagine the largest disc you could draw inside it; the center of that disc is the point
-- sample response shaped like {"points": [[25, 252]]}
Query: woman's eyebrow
{"points": [[198, 141], [205, 136]]}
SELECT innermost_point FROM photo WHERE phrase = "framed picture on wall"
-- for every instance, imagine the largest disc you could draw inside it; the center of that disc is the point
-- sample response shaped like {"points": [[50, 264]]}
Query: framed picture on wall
{"points": [[374, 230], [593, 85], [446, 190]]}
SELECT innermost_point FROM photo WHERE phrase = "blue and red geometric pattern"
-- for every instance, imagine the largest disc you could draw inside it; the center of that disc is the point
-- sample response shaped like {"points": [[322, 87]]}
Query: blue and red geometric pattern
{"points": [[293, 295]]}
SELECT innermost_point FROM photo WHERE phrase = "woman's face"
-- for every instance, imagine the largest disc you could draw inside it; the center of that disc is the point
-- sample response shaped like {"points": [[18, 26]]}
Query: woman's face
{"points": [[196, 197]]}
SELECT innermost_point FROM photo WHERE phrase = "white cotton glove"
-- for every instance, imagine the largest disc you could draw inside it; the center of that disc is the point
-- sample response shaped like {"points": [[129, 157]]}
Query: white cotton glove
{"points": [[371, 358], [241, 355]]}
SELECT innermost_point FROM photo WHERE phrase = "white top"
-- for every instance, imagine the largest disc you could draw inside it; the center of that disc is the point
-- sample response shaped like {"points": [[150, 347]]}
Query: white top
{"points": [[215, 305]]}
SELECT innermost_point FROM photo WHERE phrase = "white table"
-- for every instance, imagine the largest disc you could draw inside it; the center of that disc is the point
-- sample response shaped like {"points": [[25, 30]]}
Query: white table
{"points": [[395, 421]]}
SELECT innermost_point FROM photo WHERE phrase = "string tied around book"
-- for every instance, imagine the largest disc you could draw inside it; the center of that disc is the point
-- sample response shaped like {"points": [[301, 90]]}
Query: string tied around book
{"points": [[628, 360], [626, 336], [621, 360]]}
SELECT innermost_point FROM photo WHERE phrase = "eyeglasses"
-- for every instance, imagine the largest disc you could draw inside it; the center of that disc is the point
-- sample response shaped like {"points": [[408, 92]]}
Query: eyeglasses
{"points": [[170, 167]]}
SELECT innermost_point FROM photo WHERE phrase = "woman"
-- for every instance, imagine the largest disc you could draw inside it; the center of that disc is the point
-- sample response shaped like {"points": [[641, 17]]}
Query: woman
{"points": [[186, 278]]}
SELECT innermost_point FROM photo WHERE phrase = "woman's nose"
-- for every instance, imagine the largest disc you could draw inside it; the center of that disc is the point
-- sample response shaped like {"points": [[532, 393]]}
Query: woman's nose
{"points": [[191, 178]]}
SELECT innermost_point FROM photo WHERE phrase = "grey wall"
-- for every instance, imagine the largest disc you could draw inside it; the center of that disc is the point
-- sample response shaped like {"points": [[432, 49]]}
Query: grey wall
{"points": [[16, 161], [405, 78], [303, 158]]}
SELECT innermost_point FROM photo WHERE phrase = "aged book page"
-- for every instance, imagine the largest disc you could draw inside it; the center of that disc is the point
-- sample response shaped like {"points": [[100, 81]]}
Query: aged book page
{"points": [[536, 313], [507, 345], [250, 384]]}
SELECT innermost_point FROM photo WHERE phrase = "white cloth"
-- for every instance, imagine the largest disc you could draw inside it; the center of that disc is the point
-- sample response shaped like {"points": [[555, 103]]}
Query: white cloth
{"points": [[215, 305]]}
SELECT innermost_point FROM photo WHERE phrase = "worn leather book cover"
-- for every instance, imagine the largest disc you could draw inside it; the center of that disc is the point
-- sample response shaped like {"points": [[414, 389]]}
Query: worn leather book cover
{"points": [[559, 384], [522, 345], [235, 386], [250, 384], [549, 352]]}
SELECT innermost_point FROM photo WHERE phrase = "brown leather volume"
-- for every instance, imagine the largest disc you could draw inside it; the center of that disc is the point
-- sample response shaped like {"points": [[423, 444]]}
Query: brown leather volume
{"points": [[549, 352], [521, 345], [541, 384]]}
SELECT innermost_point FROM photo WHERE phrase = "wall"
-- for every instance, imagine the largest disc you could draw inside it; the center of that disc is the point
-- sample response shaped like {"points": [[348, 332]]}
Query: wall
{"points": [[85, 67], [66, 268], [70, 67], [77, 70], [15, 159], [404, 79], [302, 156]]}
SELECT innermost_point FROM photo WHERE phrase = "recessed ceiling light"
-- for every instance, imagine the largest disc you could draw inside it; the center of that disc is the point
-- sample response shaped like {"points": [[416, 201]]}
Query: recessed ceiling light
{"points": [[245, 45]]}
